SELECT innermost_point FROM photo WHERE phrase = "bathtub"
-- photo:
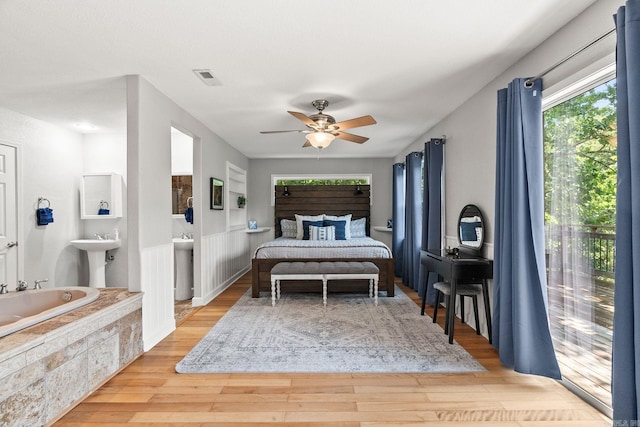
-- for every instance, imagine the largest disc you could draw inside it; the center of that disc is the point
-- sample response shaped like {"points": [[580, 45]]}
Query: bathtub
{"points": [[19, 310]]}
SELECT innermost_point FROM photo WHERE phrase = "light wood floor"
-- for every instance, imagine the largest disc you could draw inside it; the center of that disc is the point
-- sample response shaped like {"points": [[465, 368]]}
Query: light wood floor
{"points": [[149, 392]]}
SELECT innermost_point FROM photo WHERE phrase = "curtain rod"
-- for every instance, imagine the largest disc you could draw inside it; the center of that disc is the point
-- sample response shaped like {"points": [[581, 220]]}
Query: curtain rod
{"points": [[529, 82]]}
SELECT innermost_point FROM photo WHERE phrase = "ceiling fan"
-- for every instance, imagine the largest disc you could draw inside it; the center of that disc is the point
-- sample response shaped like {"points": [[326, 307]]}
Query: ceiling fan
{"points": [[323, 129]]}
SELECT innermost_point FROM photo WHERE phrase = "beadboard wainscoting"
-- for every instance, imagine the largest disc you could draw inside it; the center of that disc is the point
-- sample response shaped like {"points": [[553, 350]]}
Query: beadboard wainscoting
{"points": [[225, 257], [156, 266]]}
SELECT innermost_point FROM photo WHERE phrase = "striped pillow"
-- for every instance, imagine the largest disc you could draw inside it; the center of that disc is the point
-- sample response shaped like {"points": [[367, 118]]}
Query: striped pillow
{"points": [[322, 233]]}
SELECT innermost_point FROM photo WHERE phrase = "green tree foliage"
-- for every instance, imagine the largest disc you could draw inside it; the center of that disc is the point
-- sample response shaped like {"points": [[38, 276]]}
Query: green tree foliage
{"points": [[321, 182], [580, 158]]}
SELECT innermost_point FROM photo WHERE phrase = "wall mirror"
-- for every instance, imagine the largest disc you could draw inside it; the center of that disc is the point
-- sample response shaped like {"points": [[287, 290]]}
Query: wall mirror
{"points": [[471, 229], [181, 191], [101, 196]]}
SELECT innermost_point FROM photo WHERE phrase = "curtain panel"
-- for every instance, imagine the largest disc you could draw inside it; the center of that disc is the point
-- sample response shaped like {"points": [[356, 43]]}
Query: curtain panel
{"points": [[413, 221], [397, 215], [521, 329], [432, 211], [626, 321]]}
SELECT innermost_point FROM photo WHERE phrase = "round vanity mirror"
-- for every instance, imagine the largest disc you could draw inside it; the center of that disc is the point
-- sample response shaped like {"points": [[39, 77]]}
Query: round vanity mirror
{"points": [[471, 229]]}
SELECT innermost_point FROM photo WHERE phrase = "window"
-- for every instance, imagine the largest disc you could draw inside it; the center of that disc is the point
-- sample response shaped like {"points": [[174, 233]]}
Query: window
{"points": [[319, 179], [580, 191]]}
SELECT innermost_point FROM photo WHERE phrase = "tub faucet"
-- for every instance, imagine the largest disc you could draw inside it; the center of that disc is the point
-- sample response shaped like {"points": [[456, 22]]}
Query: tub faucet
{"points": [[37, 283], [3, 289], [22, 286]]}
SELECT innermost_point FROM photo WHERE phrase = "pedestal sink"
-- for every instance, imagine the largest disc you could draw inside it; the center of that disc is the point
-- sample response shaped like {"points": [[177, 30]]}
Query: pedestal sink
{"points": [[96, 251], [183, 268]]}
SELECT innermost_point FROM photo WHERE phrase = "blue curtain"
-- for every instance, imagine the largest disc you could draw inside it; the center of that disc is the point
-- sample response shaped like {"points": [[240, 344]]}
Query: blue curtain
{"points": [[412, 221], [397, 233], [521, 330], [432, 212], [626, 321]]}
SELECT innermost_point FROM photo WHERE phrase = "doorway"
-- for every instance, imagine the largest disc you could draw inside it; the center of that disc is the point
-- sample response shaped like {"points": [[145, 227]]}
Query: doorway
{"points": [[182, 220]]}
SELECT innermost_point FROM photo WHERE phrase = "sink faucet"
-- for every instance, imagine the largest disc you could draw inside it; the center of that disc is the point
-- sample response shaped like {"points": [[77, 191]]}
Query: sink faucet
{"points": [[22, 286], [3, 289], [187, 236], [37, 283], [101, 236]]}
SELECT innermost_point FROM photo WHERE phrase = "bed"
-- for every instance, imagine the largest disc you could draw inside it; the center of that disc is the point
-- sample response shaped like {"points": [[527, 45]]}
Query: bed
{"points": [[331, 201]]}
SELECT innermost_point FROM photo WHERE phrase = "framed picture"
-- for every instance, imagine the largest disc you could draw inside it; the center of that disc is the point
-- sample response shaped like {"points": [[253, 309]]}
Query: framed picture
{"points": [[217, 194]]}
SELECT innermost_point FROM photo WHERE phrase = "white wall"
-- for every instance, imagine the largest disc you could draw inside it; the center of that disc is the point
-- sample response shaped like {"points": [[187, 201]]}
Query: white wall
{"points": [[471, 129], [260, 186], [150, 116], [107, 153], [49, 165]]}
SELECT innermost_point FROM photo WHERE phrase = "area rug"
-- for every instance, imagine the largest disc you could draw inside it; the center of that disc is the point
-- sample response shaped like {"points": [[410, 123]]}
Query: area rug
{"points": [[350, 334]]}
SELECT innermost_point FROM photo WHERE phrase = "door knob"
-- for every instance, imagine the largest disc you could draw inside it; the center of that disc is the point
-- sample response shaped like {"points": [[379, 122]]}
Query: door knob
{"points": [[12, 244]]}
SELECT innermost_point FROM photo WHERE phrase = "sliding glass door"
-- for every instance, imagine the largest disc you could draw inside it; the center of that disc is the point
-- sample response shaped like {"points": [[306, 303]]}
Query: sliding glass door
{"points": [[580, 190]]}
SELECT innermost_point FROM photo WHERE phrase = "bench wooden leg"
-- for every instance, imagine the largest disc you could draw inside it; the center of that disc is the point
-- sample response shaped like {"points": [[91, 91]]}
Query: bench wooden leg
{"points": [[324, 291], [273, 292], [375, 290]]}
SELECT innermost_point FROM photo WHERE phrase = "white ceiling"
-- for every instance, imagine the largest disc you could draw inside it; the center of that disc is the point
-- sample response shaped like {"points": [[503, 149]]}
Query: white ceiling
{"points": [[408, 63]]}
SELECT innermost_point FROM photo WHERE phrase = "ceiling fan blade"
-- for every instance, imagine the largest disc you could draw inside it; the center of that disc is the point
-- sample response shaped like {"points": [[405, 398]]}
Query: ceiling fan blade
{"points": [[281, 131], [304, 119], [351, 137], [354, 123], [306, 144]]}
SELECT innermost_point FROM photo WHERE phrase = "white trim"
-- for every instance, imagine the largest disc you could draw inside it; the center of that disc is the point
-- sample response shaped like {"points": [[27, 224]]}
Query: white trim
{"points": [[566, 90], [274, 178]]}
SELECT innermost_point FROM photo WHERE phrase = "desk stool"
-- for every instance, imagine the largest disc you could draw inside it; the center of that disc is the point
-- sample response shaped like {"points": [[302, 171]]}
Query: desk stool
{"points": [[462, 290]]}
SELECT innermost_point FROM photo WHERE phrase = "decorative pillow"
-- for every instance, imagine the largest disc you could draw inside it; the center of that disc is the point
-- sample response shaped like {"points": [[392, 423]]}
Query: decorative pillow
{"points": [[468, 231], [322, 233], [300, 218], [359, 228], [339, 226], [347, 226], [306, 225], [289, 228]]}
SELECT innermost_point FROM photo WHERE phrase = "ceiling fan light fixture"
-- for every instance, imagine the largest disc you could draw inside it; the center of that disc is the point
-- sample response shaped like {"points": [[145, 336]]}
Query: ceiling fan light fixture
{"points": [[320, 139]]}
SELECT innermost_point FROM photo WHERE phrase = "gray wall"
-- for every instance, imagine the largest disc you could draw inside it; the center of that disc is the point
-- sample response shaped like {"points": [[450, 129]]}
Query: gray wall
{"points": [[471, 129], [260, 189]]}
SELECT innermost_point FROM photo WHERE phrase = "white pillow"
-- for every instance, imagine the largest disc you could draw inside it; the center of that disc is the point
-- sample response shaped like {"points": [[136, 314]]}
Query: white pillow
{"points": [[347, 224], [300, 218], [359, 228], [289, 228], [322, 233]]}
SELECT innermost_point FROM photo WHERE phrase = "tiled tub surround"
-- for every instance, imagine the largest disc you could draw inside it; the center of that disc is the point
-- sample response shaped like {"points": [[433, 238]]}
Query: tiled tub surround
{"points": [[48, 368], [19, 310]]}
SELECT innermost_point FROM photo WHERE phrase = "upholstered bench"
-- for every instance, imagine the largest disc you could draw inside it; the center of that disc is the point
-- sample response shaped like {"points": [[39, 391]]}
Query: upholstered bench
{"points": [[324, 271]]}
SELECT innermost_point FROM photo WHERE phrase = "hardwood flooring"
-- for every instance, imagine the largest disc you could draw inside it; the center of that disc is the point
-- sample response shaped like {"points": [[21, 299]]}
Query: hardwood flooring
{"points": [[149, 392]]}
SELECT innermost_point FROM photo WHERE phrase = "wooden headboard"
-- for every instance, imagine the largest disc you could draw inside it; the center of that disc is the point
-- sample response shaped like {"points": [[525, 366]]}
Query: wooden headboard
{"points": [[322, 199]]}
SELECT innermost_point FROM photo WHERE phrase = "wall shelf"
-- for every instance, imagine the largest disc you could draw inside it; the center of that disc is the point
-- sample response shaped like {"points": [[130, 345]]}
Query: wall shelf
{"points": [[258, 230], [236, 185], [382, 228]]}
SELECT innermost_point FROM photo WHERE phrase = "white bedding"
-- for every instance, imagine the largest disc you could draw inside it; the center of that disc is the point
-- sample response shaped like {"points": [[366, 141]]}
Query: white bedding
{"points": [[363, 247]]}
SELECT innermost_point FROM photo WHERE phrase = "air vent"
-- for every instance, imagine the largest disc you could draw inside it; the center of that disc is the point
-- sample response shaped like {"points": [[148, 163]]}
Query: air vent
{"points": [[207, 77]]}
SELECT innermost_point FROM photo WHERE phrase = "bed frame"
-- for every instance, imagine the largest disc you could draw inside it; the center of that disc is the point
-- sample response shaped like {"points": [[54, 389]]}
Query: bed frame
{"points": [[314, 200]]}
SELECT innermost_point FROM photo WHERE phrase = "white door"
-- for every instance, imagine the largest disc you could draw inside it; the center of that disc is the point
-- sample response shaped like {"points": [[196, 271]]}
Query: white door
{"points": [[8, 217]]}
